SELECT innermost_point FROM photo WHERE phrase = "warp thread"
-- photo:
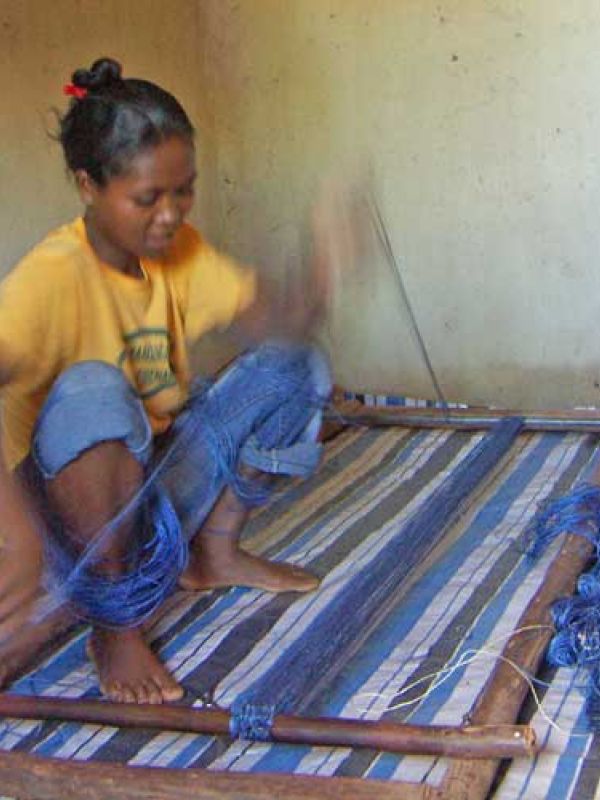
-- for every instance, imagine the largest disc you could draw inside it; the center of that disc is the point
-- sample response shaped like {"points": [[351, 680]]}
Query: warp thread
{"points": [[252, 721], [296, 678], [577, 618]]}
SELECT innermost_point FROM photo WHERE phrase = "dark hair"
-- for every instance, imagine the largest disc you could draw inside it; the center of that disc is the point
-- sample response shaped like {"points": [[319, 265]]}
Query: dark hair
{"points": [[115, 119]]}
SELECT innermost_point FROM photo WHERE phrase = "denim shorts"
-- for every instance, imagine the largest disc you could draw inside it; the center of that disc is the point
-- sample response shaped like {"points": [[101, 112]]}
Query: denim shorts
{"points": [[264, 411]]}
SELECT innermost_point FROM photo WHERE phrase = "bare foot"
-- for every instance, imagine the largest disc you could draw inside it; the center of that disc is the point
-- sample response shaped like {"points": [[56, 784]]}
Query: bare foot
{"points": [[216, 561], [128, 670], [238, 568]]}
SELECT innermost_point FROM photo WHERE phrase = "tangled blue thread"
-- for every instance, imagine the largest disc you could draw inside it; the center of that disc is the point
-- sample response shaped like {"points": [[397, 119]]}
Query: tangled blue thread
{"points": [[577, 641], [577, 512], [588, 584], [576, 619], [132, 596], [251, 721], [127, 599]]}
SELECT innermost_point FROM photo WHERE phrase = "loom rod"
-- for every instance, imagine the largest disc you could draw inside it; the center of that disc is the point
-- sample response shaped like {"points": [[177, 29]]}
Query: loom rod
{"points": [[574, 422], [471, 741]]}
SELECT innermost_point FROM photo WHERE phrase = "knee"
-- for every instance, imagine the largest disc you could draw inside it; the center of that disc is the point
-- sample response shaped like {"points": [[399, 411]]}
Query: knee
{"points": [[92, 488], [90, 403], [107, 463]]}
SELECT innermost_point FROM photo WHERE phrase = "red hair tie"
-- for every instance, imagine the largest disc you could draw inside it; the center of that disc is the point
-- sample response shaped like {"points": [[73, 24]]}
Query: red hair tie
{"points": [[78, 92]]}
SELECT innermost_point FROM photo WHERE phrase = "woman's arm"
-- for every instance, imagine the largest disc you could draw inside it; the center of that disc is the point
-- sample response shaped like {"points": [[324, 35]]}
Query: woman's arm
{"points": [[294, 310], [20, 547]]}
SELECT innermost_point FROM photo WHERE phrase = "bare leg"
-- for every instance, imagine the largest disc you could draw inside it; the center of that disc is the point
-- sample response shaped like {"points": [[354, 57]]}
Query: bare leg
{"points": [[20, 574], [19, 649], [87, 493], [216, 559]]}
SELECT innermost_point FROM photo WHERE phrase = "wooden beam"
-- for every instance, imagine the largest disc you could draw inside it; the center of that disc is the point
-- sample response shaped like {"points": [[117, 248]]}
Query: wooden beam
{"points": [[31, 777]]}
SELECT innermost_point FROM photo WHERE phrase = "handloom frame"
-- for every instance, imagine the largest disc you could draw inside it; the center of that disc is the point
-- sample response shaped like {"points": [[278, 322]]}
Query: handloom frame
{"points": [[31, 777]]}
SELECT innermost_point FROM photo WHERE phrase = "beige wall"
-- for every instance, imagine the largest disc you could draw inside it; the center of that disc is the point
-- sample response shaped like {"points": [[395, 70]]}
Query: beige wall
{"points": [[479, 120], [41, 43]]}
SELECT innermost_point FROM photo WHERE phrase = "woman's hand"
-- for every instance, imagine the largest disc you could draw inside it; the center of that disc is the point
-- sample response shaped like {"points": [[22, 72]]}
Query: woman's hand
{"points": [[293, 309]]}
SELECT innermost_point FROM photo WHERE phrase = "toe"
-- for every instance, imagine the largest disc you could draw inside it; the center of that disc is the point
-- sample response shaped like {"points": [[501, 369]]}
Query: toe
{"points": [[307, 582], [155, 696], [172, 693], [129, 695], [141, 692], [113, 690], [170, 690]]}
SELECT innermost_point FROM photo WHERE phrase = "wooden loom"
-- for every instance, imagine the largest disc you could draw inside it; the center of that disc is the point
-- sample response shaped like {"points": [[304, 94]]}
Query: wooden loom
{"points": [[477, 748]]}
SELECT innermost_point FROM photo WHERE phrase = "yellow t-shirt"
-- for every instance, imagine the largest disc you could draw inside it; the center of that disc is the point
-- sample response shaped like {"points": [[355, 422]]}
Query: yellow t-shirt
{"points": [[61, 305]]}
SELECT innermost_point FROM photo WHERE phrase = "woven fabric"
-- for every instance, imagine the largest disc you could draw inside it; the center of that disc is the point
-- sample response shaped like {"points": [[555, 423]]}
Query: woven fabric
{"points": [[465, 594]]}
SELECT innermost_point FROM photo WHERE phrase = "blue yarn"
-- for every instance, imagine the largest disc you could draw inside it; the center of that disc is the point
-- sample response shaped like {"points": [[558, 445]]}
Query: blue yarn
{"points": [[577, 641], [299, 673], [128, 599], [577, 512], [252, 722], [588, 584], [577, 618]]}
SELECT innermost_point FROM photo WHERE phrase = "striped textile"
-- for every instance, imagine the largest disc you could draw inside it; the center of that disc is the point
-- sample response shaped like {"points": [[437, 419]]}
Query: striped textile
{"points": [[399, 401], [464, 597]]}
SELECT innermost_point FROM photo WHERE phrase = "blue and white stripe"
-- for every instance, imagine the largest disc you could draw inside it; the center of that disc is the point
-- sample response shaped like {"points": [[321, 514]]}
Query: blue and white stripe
{"points": [[466, 595]]}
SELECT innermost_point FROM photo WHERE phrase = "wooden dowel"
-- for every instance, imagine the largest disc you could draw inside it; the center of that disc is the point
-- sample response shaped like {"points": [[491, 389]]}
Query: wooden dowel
{"points": [[473, 741], [466, 419]]}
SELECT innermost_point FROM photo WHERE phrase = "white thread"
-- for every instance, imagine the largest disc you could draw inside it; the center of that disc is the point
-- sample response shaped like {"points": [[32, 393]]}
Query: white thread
{"points": [[466, 658]]}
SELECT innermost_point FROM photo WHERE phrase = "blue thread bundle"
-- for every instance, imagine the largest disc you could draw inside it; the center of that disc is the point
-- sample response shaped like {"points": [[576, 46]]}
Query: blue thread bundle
{"points": [[301, 672], [130, 598], [576, 619], [577, 641], [127, 599], [577, 512], [252, 722]]}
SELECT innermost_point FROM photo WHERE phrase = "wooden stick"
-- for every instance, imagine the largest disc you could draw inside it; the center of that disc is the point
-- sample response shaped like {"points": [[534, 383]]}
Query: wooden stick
{"points": [[502, 696], [31, 777], [464, 419], [472, 741]]}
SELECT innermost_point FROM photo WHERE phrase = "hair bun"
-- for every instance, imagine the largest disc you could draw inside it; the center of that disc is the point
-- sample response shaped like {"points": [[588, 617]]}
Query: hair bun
{"points": [[102, 73]]}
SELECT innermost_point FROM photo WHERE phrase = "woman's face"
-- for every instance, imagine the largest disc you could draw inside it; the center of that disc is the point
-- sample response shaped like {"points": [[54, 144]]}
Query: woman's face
{"points": [[138, 212]]}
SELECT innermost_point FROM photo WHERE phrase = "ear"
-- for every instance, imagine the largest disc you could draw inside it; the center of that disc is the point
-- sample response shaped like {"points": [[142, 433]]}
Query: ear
{"points": [[86, 187]]}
